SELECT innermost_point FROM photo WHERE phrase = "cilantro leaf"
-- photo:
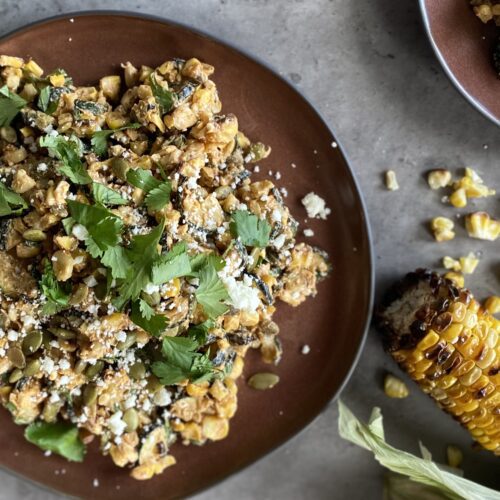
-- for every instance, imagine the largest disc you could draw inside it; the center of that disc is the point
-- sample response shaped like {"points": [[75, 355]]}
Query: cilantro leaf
{"points": [[168, 373], [172, 265], [68, 224], [103, 226], [10, 202], [201, 260], [59, 437], [106, 196], [44, 98], [10, 105], [157, 192], [100, 138], [143, 315], [199, 332], [57, 293], [116, 259], [48, 100], [211, 293], [163, 97], [251, 230], [142, 254], [69, 152]]}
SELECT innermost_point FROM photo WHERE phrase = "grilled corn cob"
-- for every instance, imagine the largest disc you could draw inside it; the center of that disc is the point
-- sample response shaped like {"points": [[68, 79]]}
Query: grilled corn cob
{"points": [[449, 345]]}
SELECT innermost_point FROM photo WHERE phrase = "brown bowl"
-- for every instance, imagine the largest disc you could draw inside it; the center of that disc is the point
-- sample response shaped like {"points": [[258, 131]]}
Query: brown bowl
{"points": [[333, 324], [463, 45]]}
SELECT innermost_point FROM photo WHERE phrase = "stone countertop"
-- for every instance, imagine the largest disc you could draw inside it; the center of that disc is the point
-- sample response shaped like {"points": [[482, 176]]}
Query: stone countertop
{"points": [[368, 68]]}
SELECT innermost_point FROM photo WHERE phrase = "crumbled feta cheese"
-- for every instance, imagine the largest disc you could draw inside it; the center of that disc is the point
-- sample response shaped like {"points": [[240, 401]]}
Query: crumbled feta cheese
{"points": [[96, 483], [90, 281], [308, 232], [64, 380], [48, 365], [334, 145], [12, 335], [243, 297], [276, 215], [54, 397], [279, 241], [256, 169], [121, 336], [79, 232], [305, 349], [315, 206], [42, 167], [64, 364], [162, 398], [150, 288], [115, 423]]}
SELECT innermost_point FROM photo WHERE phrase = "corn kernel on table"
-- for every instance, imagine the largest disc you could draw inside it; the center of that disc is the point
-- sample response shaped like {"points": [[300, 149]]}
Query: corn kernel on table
{"points": [[368, 68]]}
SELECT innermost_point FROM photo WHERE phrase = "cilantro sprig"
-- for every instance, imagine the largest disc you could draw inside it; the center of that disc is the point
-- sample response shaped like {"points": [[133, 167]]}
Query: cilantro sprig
{"points": [[69, 152], [107, 196], [173, 264], [144, 316], [100, 138], [10, 105], [251, 230], [157, 192], [10, 203], [211, 293], [57, 293], [164, 98]]}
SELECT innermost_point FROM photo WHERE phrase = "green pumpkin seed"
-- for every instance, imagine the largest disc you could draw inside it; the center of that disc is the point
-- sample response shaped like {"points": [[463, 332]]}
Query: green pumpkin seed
{"points": [[16, 357], [153, 299], [263, 381], [93, 371], [32, 367], [32, 342], [128, 342], [222, 192], [120, 167], [15, 376], [8, 134], [34, 235], [137, 371], [5, 390], [79, 295], [90, 395], [131, 418], [154, 384], [62, 333], [46, 339], [80, 366]]}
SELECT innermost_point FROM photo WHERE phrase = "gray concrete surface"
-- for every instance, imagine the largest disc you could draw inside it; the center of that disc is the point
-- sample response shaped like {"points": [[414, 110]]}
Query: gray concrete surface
{"points": [[368, 68]]}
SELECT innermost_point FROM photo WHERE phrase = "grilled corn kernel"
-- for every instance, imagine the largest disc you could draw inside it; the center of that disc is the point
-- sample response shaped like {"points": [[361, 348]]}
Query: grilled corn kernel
{"points": [[468, 263], [457, 278], [481, 226], [13, 62], [32, 67], [473, 185], [492, 304], [110, 86], [395, 387], [58, 80], [442, 228], [458, 198], [451, 263], [439, 178], [391, 182]]}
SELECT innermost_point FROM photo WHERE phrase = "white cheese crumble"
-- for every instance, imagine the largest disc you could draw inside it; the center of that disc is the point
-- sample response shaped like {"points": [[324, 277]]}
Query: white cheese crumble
{"points": [[42, 167], [305, 349], [279, 241], [12, 335], [115, 423], [90, 281], [150, 288], [162, 398], [315, 206], [79, 232], [308, 232], [243, 297]]}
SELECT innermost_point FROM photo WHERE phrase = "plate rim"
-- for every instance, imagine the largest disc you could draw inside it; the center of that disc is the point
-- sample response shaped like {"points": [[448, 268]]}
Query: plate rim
{"points": [[364, 212], [447, 70]]}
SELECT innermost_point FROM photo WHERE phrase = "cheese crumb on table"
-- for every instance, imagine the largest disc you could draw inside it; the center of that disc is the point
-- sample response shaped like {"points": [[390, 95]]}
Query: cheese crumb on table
{"points": [[315, 206], [391, 181], [308, 232], [305, 349]]}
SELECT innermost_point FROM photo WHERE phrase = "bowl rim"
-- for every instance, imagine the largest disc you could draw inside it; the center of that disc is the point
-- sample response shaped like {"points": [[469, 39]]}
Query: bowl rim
{"points": [[362, 204], [447, 70]]}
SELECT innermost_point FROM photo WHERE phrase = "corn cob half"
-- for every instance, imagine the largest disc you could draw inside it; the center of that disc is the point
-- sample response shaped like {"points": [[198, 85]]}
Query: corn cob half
{"points": [[448, 344]]}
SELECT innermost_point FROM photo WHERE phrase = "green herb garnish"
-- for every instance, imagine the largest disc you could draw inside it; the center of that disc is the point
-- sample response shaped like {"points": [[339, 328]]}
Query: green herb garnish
{"points": [[60, 437], [100, 138], [57, 293], [106, 196], [69, 152], [251, 230], [164, 97], [10, 203], [172, 265], [157, 192], [10, 105], [144, 316], [48, 100], [211, 293]]}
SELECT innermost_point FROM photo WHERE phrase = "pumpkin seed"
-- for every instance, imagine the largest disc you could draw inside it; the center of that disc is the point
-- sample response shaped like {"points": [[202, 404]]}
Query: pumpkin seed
{"points": [[80, 366], [16, 357], [93, 371], [137, 371], [46, 339], [15, 376], [120, 167], [153, 299], [32, 367], [131, 418], [5, 390], [62, 333], [34, 235], [263, 381], [154, 384], [128, 342], [79, 295], [32, 342], [8, 134], [67, 346], [90, 395]]}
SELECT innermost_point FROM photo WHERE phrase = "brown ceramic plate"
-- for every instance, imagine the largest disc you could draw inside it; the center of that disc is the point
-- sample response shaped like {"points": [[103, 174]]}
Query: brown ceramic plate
{"points": [[463, 46], [333, 324]]}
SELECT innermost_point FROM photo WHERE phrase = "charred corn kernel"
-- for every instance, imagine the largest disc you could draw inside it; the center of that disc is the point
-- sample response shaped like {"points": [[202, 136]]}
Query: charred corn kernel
{"points": [[57, 79], [459, 339], [457, 278], [468, 263], [116, 120], [395, 387], [32, 67], [391, 181], [215, 428], [442, 227], [439, 178], [481, 226], [451, 263], [492, 304], [458, 198], [110, 86]]}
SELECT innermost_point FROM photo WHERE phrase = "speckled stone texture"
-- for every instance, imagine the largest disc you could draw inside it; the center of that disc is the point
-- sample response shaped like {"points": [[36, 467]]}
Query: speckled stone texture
{"points": [[368, 68]]}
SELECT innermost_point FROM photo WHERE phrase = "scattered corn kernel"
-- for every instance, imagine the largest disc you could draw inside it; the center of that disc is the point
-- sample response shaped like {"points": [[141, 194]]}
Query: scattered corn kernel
{"points": [[451, 263], [457, 278], [442, 227], [458, 198], [480, 225], [468, 263], [454, 456], [395, 387], [492, 304], [391, 181], [439, 178]]}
